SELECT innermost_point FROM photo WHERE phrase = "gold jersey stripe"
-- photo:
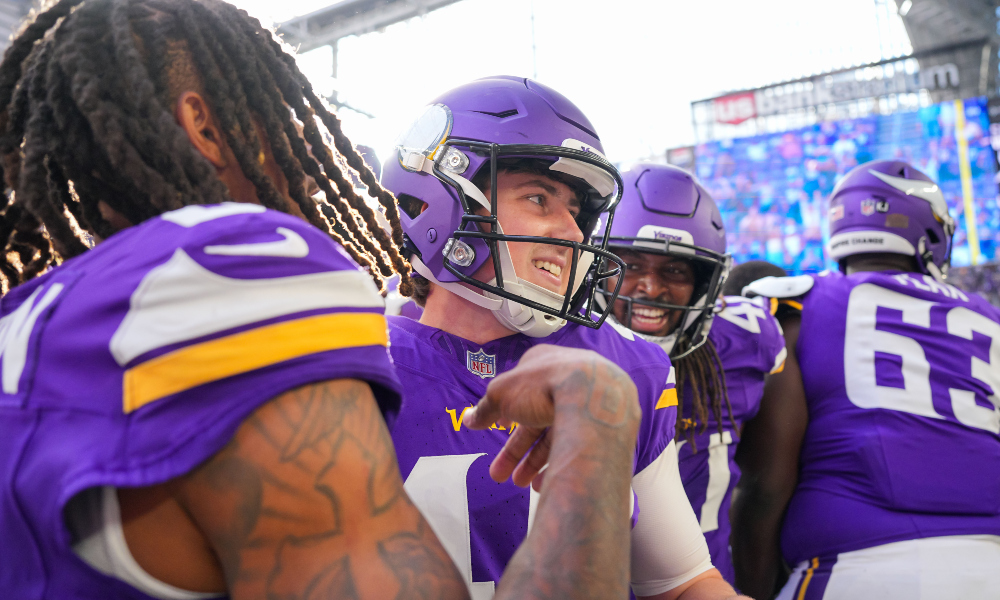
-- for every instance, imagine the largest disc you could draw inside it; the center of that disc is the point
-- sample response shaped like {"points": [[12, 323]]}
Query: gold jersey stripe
{"points": [[667, 398], [209, 361]]}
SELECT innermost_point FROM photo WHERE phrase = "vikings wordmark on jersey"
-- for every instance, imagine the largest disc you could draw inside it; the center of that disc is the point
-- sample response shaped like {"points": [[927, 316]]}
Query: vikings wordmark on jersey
{"points": [[446, 466], [136, 361], [750, 345], [902, 377]]}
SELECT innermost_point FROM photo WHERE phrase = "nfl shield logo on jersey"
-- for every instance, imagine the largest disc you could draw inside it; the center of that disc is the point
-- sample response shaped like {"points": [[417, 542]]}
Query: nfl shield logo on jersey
{"points": [[868, 207], [481, 364]]}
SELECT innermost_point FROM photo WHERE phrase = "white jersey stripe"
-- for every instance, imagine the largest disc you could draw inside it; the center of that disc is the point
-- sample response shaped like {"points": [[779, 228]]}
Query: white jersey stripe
{"points": [[180, 300]]}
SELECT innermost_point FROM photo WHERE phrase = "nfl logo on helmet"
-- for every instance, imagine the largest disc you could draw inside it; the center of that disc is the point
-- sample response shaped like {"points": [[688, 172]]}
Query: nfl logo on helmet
{"points": [[868, 207], [481, 364]]}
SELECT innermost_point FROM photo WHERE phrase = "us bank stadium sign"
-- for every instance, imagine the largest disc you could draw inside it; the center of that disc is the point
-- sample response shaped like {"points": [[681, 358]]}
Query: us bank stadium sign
{"points": [[858, 84], [946, 72]]}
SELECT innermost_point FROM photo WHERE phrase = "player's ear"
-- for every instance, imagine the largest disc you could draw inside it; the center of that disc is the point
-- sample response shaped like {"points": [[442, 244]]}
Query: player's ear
{"points": [[195, 118]]}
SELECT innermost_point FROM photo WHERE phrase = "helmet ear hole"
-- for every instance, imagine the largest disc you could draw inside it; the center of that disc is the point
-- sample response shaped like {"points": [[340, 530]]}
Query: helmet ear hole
{"points": [[932, 237], [410, 205]]}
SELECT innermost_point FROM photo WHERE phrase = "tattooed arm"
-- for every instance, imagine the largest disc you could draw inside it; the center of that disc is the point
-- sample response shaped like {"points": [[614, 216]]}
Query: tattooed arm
{"points": [[579, 544], [306, 502]]}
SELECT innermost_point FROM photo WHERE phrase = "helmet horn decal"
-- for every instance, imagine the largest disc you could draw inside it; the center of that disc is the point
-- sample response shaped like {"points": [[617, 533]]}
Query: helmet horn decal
{"points": [[918, 189]]}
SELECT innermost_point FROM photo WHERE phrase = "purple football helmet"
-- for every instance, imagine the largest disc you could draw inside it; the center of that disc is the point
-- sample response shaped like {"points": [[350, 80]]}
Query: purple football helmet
{"points": [[664, 210], [465, 132], [889, 206]]}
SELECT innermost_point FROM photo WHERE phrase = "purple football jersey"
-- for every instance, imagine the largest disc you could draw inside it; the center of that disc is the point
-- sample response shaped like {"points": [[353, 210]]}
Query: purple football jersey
{"points": [[135, 362], [446, 466], [750, 345], [902, 377]]}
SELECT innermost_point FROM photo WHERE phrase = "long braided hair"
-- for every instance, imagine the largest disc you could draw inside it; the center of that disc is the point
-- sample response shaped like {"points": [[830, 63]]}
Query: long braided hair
{"points": [[86, 92], [701, 371]]}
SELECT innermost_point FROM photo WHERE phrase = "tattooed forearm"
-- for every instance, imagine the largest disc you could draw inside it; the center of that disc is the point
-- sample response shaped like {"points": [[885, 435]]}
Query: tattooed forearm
{"points": [[307, 502], [421, 573], [601, 388], [579, 545]]}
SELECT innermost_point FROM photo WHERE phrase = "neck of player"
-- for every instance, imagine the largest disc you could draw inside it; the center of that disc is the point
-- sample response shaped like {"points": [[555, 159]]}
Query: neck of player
{"points": [[880, 262], [457, 316]]}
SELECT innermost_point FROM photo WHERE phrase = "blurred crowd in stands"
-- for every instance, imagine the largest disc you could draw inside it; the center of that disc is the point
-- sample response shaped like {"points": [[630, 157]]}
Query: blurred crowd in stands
{"points": [[772, 189], [982, 279]]}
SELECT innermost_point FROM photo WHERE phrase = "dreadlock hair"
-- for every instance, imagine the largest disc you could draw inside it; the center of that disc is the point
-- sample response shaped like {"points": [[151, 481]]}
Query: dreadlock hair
{"points": [[86, 97], [701, 372]]}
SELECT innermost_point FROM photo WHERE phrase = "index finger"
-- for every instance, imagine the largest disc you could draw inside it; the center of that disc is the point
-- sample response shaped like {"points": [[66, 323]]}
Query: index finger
{"points": [[485, 413], [518, 444], [489, 409]]}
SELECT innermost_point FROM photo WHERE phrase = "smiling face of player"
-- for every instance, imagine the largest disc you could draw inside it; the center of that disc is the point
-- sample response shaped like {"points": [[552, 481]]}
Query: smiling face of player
{"points": [[658, 278], [531, 204]]}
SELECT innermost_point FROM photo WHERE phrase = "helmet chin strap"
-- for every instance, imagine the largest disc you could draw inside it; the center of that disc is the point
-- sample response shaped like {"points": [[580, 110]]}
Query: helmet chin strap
{"points": [[456, 288], [927, 257]]}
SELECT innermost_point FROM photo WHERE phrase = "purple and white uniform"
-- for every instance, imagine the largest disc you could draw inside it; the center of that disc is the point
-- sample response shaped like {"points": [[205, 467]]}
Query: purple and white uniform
{"points": [[136, 361], [446, 466], [901, 458], [750, 345]]}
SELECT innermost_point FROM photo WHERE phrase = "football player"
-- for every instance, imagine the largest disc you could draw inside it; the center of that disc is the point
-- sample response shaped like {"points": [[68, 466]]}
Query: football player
{"points": [[196, 406], [669, 232], [501, 183], [872, 466]]}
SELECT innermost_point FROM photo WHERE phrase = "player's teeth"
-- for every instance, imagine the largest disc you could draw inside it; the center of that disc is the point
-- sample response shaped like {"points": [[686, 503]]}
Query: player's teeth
{"points": [[547, 266], [649, 313]]}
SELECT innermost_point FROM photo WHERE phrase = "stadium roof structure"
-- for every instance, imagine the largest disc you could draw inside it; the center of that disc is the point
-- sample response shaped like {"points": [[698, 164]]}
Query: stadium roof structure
{"points": [[935, 23], [351, 17], [954, 55]]}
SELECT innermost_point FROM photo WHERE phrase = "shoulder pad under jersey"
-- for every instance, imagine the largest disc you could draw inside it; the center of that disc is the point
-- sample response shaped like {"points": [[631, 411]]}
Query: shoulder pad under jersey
{"points": [[780, 287]]}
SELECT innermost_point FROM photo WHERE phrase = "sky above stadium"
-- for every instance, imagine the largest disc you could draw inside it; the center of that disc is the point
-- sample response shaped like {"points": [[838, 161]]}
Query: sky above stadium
{"points": [[633, 69]]}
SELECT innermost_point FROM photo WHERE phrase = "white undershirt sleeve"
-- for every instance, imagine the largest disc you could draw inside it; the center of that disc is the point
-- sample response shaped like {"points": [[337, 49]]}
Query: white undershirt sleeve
{"points": [[95, 523], [668, 547]]}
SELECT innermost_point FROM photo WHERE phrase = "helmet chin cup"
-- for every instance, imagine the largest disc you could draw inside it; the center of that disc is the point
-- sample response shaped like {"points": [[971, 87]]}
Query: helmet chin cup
{"points": [[522, 319]]}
